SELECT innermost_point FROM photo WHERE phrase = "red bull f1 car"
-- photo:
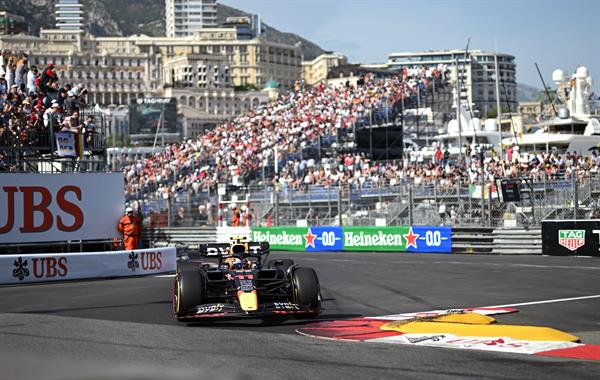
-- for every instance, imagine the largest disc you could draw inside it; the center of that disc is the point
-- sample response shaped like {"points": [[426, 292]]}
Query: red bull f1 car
{"points": [[240, 282]]}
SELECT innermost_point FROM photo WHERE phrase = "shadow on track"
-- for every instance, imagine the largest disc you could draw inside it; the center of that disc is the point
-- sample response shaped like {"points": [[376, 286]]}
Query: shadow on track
{"points": [[56, 311], [267, 322]]}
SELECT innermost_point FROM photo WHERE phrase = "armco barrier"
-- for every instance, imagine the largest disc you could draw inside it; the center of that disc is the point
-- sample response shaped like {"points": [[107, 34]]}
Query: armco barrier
{"points": [[571, 237], [20, 269], [397, 239]]}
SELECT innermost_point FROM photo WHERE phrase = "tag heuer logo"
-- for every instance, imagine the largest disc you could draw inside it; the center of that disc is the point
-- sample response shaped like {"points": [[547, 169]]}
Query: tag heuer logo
{"points": [[571, 239]]}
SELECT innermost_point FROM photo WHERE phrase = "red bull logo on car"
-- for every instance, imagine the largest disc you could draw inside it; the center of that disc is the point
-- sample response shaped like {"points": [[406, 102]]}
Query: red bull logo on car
{"points": [[571, 239]]}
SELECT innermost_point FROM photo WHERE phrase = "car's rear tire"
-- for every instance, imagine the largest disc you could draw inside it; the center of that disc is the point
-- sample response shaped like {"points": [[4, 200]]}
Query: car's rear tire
{"points": [[283, 264], [306, 290], [189, 290]]}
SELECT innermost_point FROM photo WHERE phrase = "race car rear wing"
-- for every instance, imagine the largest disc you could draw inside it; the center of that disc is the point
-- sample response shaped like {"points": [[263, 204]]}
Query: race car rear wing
{"points": [[220, 249]]}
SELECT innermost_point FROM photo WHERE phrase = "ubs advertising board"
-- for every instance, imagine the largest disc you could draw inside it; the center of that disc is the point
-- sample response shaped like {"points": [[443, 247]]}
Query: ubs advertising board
{"points": [[571, 237], [59, 207]]}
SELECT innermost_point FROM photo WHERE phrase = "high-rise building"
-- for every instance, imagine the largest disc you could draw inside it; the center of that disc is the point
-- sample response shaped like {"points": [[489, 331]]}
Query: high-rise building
{"points": [[185, 17], [476, 72], [69, 15]]}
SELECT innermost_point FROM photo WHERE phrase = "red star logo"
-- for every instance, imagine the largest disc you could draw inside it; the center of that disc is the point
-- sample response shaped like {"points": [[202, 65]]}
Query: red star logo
{"points": [[411, 238], [310, 239]]}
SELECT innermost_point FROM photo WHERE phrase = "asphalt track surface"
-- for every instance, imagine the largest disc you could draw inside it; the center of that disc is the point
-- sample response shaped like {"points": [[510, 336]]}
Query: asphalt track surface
{"points": [[123, 328]]}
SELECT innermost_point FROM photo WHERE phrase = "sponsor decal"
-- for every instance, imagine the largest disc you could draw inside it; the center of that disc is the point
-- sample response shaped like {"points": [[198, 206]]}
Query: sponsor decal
{"points": [[207, 309], [36, 204], [310, 239], [21, 271], [246, 285], [373, 239], [133, 261], [411, 239], [221, 249], [48, 267], [501, 344], [571, 239], [285, 306], [46, 207], [421, 339], [284, 238], [42, 267], [151, 260], [325, 238]]}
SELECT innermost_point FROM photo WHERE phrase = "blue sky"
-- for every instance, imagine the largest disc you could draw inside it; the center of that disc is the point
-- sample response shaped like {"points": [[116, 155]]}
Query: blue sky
{"points": [[553, 33]]}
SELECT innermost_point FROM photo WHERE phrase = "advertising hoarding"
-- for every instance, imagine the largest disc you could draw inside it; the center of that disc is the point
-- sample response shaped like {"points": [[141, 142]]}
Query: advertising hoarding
{"points": [[59, 207]]}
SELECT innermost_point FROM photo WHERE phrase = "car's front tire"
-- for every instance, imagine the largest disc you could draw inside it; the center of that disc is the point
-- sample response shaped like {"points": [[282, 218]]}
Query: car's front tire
{"points": [[306, 290], [189, 290]]}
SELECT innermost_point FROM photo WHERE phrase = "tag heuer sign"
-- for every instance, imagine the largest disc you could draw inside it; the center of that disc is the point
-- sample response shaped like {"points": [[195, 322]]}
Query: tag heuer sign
{"points": [[571, 239]]}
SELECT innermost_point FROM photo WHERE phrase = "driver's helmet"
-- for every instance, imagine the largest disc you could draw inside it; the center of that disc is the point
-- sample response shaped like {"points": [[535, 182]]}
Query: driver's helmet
{"points": [[232, 263]]}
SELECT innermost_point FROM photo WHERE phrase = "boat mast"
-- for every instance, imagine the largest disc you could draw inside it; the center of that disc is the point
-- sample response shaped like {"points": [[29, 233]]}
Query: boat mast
{"points": [[460, 145], [546, 89], [498, 118]]}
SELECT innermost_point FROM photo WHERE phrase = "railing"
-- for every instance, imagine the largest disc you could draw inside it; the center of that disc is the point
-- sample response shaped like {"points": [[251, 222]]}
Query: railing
{"points": [[425, 204]]}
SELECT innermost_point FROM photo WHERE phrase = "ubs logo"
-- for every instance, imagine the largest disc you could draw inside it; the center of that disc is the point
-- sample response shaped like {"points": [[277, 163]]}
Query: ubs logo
{"points": [[21, 271], [133, 262]]}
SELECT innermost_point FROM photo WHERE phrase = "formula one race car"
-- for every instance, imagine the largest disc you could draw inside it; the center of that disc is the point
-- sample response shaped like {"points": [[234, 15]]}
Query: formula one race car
{"points": [[237, 284]]}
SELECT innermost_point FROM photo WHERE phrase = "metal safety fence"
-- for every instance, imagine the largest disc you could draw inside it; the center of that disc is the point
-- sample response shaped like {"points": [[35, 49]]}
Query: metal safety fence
{"points": [[430, 203]]}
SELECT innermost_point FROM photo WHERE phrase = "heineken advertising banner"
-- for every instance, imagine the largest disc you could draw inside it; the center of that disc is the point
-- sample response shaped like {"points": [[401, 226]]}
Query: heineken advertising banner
{"points": [[395, 239], [571, 237]]}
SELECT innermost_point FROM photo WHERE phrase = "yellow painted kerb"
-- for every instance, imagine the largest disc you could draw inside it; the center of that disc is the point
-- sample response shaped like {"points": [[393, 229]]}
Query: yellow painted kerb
{"points": [[485, 330]]}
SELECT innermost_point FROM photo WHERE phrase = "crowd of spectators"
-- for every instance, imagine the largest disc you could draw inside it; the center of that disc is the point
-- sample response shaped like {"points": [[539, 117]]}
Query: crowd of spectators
{"points": [[33, 100], [236, 150], [358, 171]]}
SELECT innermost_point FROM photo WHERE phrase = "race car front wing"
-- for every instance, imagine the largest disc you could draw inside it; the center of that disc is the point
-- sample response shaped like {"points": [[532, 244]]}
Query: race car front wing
{"points": [[216, 310]]}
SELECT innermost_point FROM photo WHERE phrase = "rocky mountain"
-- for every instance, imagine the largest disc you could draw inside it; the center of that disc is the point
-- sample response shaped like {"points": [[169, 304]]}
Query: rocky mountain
{"points": [[126, 17], [526, 93]]}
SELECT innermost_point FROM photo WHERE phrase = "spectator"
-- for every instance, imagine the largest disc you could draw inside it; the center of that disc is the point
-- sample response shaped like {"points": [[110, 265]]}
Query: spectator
{"points": [[20, 71], [32, 74]]}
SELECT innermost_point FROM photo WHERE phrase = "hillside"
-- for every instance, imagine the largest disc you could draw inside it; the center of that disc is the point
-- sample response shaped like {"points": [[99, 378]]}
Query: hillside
{"points": [[120, 18], [526, 93]]}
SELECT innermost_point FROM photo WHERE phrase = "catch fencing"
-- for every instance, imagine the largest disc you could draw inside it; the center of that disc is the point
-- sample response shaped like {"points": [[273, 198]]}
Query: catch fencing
{"points": [[429, 203]]}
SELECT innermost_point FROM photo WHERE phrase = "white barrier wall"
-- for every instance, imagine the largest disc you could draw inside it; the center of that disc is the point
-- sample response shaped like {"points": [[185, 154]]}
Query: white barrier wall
{"points": [[59, 207], [20, 269]]}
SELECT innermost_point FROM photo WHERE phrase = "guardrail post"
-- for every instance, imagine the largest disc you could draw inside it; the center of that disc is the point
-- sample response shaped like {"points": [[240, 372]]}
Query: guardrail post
{"points": [[276, 207], [329, 202], [576, 196], [169, 211], [410, 204], [339, 205], [490, 205]]}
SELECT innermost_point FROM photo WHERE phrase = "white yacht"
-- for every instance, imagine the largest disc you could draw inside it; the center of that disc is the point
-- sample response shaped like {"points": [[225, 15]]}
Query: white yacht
{"points": [[574, 130], [473, 133]]}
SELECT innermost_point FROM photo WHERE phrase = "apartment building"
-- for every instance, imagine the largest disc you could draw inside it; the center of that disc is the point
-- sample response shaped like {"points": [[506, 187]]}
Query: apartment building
{"points": [[119, 69], [476, 72], [318, 69], [69, 15], [185, 17]]}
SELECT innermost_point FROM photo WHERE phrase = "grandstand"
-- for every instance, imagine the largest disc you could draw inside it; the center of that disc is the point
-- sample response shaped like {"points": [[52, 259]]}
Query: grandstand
{"points": [[299, 158], [46, 124], [47, 127]]}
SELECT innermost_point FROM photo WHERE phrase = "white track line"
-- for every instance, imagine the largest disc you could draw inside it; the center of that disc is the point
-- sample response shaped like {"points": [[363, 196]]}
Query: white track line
{"points": [[548, 301], [164, 275]]}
